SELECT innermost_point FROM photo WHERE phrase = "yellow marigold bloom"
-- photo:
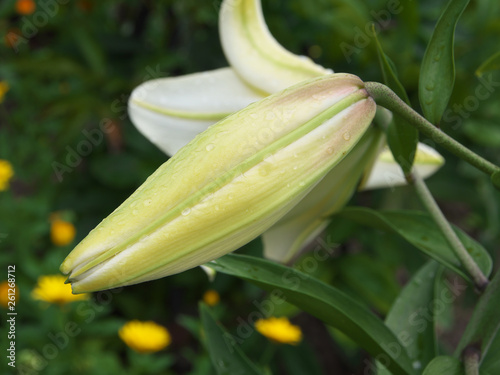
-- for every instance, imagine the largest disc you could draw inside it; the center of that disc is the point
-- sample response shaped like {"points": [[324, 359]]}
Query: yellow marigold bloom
{"points": [[25, 7], [211, 297], [4, 293], [52, 289], [145, 337], [4, 87], [279, 330], [6, 172], [62, 232]]}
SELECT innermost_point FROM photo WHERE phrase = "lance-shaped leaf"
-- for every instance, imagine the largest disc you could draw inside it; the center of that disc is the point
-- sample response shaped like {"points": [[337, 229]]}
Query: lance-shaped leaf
{"points": [[401, 136], [227, 186], [437, 74], [484, 323], [253, 52], [407, 321], [170, 112], [226, 355], [419, 229], [444, 365], [324, 302]]}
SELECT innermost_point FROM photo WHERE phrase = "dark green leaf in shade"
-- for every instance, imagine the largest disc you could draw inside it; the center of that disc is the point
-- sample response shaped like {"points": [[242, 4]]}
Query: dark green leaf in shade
{"points": [[409, 318], [419, 229], [225, 354], [492, 63], [437, 74], [490, 363], [324, 302], [444, 365], [484, 324], [401, 136]]}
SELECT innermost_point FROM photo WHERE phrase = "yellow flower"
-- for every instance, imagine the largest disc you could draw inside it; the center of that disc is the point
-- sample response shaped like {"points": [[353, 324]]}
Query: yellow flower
{"points": [[4, 293], [62, 232], [279, 330], [4, 87], [25, 7], [52, 289], [6, 171], [211, 297], [145, 337]]}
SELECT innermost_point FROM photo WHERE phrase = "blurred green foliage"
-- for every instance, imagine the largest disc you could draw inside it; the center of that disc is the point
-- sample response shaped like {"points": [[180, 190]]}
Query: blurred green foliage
{"points": [[71, 65]]}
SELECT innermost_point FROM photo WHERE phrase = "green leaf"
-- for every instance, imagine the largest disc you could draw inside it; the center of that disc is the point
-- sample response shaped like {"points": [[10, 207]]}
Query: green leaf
{"points": [[401, 136], [225, 354], [409, 318], [437, 74], [444, 365], [484, 324], [492, 63], [419, 229], [323, 301], [490, 363]]}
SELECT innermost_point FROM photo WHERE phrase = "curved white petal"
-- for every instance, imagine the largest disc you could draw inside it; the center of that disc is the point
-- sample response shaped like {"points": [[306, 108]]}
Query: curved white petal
{"points": [[253, 52], [387, 173], [306, 220], [172, 111]]}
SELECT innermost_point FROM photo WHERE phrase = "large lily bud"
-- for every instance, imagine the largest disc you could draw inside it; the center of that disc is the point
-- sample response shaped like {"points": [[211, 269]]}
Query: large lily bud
{"points": [[227, 186]]}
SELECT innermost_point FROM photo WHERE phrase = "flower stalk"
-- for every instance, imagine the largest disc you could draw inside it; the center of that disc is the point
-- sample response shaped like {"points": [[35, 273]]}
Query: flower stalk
{"points": [[385, 97], [480, 280]]}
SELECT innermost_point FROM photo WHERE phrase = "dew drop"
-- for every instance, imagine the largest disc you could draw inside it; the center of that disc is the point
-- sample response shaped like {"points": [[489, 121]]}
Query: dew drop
{"points": [[133, 204], [270, 116], [346, 136], [329, 150], [147, 202], [210, 147], [429, 86], [186, 211], [302, 183]]}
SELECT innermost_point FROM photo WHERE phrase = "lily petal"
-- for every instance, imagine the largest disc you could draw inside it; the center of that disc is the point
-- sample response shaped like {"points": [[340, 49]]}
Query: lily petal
{"points": [[310, 217], [170, 112], [254, 53], [387, 173]]}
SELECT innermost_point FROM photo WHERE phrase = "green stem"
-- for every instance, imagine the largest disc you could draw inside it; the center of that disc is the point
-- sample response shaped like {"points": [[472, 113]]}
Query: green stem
{"points": [[471, 361], [480, 280], [385, 97]]}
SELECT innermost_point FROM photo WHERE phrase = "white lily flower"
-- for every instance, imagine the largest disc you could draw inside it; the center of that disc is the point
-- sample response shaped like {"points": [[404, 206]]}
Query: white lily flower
{"points": [[171, 111]]}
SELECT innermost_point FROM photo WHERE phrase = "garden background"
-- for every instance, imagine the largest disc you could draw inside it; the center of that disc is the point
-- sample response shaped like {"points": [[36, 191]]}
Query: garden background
{"points": [[66, 71]]}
